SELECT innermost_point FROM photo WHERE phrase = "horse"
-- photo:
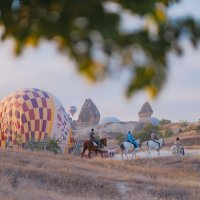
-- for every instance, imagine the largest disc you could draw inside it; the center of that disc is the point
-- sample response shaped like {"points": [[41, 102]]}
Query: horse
{"points": [[88, 145], [177, 150], [154, 145], [127, 146]]}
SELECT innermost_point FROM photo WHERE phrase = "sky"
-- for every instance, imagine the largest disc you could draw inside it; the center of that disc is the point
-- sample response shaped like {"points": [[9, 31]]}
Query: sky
{"points": [[46, 69]]}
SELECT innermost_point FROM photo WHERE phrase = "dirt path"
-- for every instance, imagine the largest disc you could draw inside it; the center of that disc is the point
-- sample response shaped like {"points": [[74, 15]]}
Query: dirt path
{"points": [[163, 153]]}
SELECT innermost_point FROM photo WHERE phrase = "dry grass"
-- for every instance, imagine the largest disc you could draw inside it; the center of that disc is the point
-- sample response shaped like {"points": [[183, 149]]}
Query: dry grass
{"points": [[37, 175], [190, 139]]}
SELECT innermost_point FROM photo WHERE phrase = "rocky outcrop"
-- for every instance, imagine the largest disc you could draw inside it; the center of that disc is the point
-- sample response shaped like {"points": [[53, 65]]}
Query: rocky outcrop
{"points": [[146, 110], [145, 117], [112, 129], [89, 114]]}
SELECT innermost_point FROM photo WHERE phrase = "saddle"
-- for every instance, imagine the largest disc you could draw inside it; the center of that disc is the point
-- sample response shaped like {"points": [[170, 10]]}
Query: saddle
{"points": [[95, 144], [157, 143]]}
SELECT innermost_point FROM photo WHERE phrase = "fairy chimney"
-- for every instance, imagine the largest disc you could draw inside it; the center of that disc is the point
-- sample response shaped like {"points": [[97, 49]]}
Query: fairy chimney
{"points": [[146, 110], [89, 114]]}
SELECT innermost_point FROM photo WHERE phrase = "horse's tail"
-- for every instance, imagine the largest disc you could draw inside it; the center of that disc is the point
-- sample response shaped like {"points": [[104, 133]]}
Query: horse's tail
{"points": [[122, 146]]}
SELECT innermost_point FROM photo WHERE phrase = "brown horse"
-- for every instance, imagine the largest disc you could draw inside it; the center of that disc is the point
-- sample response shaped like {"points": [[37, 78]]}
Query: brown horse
{"points": [[88, 145]]}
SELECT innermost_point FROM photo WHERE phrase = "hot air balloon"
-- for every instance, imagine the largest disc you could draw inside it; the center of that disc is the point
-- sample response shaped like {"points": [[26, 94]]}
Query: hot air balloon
{"points": [[72, 110], [33, 114]]}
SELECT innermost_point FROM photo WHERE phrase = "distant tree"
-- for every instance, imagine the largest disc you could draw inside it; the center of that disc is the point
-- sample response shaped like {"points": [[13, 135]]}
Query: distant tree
{"points": [[51, 144], [91, 33], [168, 133], [180, 130], [120, 138], [183, 123], [165, 121], [145, 134], [198, 128]]}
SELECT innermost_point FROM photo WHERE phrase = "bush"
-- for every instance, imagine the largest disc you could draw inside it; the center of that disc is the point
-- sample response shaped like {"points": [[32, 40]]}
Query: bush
{"points": [[183, 123], [120, 138], [165, 121], [168, 133], [145, 134], [34, 145], [198, 128], [51, 144], [180, 130]]}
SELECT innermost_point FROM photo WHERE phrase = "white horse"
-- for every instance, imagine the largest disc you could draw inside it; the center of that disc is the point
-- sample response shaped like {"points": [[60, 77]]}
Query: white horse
{"points": [[177, 150], [153, 145], [126, 147]]}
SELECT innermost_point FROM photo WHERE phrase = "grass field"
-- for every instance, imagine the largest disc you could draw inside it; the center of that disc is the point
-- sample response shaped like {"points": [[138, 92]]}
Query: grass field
{"points": [[40, 175]]}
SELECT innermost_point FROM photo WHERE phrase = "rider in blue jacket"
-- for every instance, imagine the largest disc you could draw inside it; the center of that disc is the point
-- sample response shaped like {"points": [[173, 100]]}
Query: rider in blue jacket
{"points": [[131, 139]]}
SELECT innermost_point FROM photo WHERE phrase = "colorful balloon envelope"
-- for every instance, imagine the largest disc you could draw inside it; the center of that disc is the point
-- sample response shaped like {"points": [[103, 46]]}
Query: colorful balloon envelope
{"points": [[32, 114], [72, 110]]}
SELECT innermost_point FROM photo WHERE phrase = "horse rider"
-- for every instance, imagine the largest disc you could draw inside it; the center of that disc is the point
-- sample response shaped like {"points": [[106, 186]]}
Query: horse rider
{"points": [[131, 139], [179, 144], [154, 137], [93, 138]]}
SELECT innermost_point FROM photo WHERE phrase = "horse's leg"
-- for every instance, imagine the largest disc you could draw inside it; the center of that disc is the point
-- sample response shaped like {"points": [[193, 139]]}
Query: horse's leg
{"points": [[84, 149], [158, 152], [133, 154], [149, 154], [88, 153], [122, 152], [126, 154], [96, 152], [101, 153]]}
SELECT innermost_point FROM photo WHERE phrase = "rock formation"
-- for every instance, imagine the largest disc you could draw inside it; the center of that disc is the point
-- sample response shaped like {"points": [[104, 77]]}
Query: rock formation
{"points": [[146, 110], [145, 117], [89, 114]]}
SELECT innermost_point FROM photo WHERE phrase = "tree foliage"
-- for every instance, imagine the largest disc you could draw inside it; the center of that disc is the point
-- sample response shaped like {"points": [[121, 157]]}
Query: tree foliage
{"points": [[51, 144], [168, 133], [165, 121], [91, 33], [120, 137], [145, 133]]}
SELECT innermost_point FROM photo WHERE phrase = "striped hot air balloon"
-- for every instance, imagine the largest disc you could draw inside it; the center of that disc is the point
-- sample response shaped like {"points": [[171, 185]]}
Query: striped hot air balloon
{"points": [[32, 114]]}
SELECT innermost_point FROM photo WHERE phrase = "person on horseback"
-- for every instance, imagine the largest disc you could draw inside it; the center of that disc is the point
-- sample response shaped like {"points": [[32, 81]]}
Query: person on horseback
{"points": [[179, 144], [93, 138], [131, 139], [154, 137]]}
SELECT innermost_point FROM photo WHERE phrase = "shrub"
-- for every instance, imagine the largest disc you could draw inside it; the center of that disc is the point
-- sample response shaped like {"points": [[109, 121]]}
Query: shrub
{"points": [[165, 121], [120, 138], [183, 123], [180, 130], [168, 133], [145, 134], [198, 128], [51, 144]]}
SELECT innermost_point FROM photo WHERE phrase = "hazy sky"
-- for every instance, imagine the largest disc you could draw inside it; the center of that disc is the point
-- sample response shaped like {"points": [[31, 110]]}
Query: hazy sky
{"points": [[46, 69]]}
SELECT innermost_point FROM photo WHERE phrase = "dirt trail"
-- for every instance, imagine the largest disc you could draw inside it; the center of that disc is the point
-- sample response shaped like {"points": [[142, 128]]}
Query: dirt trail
{"points": [[163, 153]]}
